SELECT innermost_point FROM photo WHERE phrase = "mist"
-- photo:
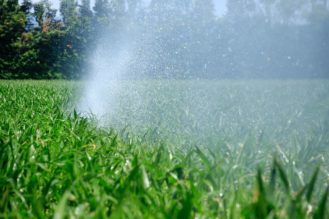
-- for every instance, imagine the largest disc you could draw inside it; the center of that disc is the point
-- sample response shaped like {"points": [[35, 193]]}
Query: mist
{"points": [[177, 71], [164, 109]]}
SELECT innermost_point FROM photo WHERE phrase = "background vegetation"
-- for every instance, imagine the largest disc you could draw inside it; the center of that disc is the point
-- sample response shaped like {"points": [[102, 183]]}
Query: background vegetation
{"points": [[181, 39]]}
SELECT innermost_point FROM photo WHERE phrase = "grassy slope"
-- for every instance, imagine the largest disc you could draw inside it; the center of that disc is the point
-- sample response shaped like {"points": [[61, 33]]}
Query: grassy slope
{"points": [[53, 165]]}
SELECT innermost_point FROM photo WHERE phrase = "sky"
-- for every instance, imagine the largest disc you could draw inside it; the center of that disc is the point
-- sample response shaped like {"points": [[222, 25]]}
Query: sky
{"points": [[220, 7]]}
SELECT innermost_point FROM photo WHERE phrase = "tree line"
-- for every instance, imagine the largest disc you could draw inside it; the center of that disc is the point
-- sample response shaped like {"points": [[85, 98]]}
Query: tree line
{"points": [[170, 38]]}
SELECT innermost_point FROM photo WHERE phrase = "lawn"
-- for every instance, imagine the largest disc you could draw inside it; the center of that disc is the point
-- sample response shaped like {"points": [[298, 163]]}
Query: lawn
{"points": [[165, 149]]}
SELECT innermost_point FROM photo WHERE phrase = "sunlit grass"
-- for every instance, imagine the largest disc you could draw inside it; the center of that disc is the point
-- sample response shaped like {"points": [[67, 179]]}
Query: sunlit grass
{"points": [[57, 163]]}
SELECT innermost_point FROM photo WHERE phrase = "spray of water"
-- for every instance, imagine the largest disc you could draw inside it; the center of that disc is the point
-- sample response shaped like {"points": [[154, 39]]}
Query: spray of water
{"points": [[146, 76], [108, 67]]}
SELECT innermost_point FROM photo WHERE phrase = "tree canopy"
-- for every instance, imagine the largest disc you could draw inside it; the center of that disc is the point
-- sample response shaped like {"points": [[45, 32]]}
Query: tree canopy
{"points": [[172, 39]]}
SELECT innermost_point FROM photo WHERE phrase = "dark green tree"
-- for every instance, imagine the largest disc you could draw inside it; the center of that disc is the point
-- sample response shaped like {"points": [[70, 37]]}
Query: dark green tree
{"points": [[84, 9], [45, 15], [69, 11], [26, 6], [12, 26]]}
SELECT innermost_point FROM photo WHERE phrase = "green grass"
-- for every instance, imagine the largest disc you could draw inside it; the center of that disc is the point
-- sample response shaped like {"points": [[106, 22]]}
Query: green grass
{"points": [[165, 157]]}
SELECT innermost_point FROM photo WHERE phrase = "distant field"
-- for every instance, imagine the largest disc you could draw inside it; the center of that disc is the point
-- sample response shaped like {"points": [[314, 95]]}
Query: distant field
{"points": [[165, 149]]}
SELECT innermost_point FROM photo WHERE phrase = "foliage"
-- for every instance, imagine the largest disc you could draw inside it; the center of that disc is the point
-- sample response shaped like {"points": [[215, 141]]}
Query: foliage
{"points": [[44, 48], [171, 39], [12, 23], [60, 164]]}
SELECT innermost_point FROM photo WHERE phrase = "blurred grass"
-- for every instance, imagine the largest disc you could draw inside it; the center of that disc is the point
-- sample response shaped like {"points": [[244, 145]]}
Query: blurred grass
{"points": [[55, 163]]}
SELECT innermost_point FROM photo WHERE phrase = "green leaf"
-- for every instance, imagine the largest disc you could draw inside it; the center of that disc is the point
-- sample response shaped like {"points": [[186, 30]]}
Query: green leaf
{"points": [[321, 210], [283, 176], [311, 185], [60, 208]]}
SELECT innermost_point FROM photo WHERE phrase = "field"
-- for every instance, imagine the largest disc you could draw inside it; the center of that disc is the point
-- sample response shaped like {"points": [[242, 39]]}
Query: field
{"points": [[166, 149]]}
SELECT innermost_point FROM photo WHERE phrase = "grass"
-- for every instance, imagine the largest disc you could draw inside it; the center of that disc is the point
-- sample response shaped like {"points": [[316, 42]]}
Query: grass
{"points": [[268, 158]]}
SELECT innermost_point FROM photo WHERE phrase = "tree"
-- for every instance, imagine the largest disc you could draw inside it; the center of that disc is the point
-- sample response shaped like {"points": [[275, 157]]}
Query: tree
{"points": [[241, 8], [203, 11], [68, 9], [133, 7], [319, 12], [84, 10], [288, 10], [26, 7], [45, 15], [268, 7], [12, 26]]}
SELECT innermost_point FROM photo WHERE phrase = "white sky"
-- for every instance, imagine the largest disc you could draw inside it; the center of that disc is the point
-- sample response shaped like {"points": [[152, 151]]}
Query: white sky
{"points": [[219, 5]]}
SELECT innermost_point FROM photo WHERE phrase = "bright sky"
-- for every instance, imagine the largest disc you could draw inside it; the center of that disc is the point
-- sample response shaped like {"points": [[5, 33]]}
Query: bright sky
{"points": [[219, 5]]}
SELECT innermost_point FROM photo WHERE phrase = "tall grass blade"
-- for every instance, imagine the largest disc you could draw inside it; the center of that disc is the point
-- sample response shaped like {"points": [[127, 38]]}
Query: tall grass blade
{"points": [[272, 178], [203, 157], [283, 176], [260, 184], [311, 185], [186, 211], [60, 208], [321, 210]]}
